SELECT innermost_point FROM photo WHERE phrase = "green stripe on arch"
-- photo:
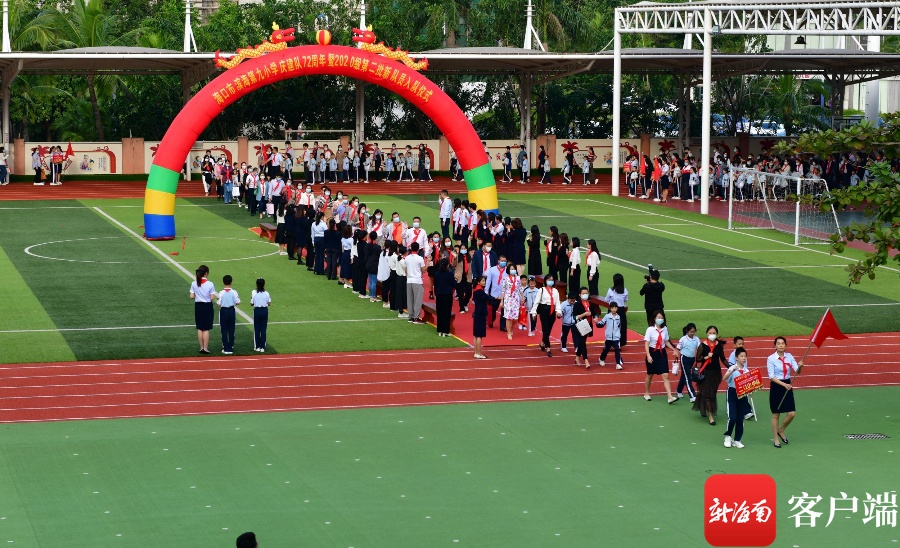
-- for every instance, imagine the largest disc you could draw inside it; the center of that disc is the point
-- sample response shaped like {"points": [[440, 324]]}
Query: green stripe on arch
{"points": [[163, 179], [480, 177]]}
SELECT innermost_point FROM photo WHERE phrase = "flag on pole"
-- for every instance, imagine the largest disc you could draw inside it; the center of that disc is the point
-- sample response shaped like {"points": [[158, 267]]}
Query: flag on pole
{"points": [[69, 151], [827, 328]]}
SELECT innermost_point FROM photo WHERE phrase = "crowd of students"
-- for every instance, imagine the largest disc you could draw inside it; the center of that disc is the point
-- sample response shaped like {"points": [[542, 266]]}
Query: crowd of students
{"points": [[675, 175]]}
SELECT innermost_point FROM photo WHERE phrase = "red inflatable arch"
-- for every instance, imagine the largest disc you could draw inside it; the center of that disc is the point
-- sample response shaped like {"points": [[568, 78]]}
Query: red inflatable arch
{"points": [[252, 74]]}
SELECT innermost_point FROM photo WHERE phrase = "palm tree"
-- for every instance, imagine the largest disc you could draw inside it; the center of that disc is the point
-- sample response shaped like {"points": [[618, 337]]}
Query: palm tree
{"points": [[787, 99], [83, 24]]}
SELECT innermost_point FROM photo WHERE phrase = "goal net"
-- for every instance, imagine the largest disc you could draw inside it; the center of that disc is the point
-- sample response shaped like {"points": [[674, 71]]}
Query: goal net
{"points": [[786, 203]]}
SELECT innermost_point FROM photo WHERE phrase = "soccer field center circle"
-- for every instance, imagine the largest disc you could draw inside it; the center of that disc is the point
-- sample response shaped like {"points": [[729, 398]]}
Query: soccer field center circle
{"points": [[99, 247]]}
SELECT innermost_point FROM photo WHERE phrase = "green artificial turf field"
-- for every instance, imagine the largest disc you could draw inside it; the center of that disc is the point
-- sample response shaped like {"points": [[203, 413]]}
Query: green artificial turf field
{"points": [[85, 286], [601, 472]]}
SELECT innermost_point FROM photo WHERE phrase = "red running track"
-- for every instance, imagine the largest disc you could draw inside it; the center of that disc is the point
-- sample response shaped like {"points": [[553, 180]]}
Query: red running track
{"points": [[213, 385]]}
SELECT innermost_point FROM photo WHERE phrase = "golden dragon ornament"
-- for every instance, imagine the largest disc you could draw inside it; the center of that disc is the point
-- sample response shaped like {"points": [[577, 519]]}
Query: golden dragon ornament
{"points": [[366, 39], [277, 41]]}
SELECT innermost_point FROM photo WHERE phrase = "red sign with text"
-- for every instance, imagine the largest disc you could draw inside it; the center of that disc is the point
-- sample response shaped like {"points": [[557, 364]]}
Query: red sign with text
{"points": [[739, 510], [748, 382]]}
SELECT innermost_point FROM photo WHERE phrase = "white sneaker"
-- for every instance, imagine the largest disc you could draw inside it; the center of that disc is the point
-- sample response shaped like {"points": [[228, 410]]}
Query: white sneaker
{"points": [[680, 396], [403, 315], [348, 286], [619, 366], [691, 200], [656, 199], [564, 349], [602, 363], [748, 416], [363, 296], [692, 400], [737, 444], [728, 442], [386, 305]]}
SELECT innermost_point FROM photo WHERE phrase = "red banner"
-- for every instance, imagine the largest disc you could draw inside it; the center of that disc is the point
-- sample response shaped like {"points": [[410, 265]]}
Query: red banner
{"points": [[748, 383]]}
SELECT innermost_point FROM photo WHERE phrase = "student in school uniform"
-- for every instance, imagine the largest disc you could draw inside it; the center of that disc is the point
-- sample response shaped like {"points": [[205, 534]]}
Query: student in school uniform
{"points": [[546, 306], [385, 274], [781, 367], [530, 294], [565, 309], [545, 177], [656, 340], [261, 300], [372, 257], [687, 346], [619, 294], [552, 256], [367, 165], [317, 235], [574, 258], [228, 300], [592, 262], [446, 212], [567, 172], [586, 171], [613, 324], [388, 168], [737, 407], [409, 164], [507, 167], [526, 170], [202, 293], [582, 311]]}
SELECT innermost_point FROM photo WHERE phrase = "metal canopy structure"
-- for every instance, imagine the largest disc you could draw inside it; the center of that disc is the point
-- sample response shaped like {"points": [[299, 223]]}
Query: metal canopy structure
{"points": [[711, 18]]}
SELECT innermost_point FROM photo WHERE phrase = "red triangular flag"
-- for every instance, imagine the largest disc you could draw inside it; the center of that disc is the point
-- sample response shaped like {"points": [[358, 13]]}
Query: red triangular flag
{"points": [[69, 151], [827, 328]]}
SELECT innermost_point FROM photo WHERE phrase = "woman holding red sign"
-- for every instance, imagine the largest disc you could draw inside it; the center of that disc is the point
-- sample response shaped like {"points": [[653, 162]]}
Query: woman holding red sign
{"points": [[736, 407], [710, 354]]}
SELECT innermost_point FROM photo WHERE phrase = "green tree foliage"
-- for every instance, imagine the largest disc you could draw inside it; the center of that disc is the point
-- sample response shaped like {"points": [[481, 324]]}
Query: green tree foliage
{"points": [[880, 200]]}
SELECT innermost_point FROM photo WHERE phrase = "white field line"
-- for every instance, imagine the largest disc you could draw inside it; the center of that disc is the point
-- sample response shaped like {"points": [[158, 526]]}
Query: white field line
{"points": [[161, 253], [182, 326], [683, 237], [781, 307], [755, 267]]}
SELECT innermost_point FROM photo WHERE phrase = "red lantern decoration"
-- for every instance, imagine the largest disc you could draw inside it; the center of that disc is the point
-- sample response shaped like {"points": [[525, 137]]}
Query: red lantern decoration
{"points": [[323, 37]]}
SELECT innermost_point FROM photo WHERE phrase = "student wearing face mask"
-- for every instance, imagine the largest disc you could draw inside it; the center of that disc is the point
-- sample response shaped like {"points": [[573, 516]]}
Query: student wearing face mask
{"points": [[397, 230], [483, 260], [462, 266], [510, 299], [582, 311], [547, 307], [710, 359], [495, 277], [376, 225], [656, 341], [432, 256]]}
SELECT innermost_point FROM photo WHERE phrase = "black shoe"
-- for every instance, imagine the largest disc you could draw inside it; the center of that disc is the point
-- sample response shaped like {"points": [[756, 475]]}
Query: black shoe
{"points": [[204, 351], [783, 439]]}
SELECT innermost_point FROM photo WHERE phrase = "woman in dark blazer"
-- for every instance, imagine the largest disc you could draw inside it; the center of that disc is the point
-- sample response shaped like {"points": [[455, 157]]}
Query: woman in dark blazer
{"points": [[535, 242], [479, 316], [444, 284], [516, 244]]}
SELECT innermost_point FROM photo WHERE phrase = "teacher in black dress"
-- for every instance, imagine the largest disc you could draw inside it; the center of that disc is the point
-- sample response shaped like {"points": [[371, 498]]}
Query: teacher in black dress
{"points": [[781, 366], [202, 293]]}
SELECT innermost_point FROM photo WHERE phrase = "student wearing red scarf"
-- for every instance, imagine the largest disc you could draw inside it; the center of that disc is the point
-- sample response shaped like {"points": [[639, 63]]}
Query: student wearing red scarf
{"points": [[656, 340], [781, 367], [710, 359]]}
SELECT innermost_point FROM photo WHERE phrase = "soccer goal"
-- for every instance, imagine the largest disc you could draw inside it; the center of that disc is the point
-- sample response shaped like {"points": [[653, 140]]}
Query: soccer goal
{"points": [[776, 201]]}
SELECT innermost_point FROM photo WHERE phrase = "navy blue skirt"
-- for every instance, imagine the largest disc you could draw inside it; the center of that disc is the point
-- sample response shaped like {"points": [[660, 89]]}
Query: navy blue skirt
{"points": [[776, 393], [479, 325], [203, 316]]}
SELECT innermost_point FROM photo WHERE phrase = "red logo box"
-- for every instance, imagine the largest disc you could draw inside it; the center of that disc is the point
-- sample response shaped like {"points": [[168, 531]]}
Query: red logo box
{"points": [[739, 510]]}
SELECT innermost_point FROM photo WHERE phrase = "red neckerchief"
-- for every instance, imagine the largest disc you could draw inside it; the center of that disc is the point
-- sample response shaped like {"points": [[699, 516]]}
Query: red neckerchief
{"points": [[375, 227], [784, 366], [512, 284], [659, 339], [712, 347], [203, 281], [416, 232], [501, 270], [398, 232], [465, 264], [552, 302]]}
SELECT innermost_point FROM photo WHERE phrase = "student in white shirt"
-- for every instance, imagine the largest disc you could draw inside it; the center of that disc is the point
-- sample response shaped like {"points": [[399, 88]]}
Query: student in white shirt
{"points": [[737, 407], [261, 301], [592, 262], [202, 293], [575, 263], [446, 211], [656, 341], [687, 346], [526, 170], [567, 172], [415, 288], [228, 300]]}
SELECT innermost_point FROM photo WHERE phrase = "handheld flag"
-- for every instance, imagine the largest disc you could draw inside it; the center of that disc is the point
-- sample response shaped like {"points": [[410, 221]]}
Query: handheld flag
{"points": [[69, 152], [827, 328]]}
